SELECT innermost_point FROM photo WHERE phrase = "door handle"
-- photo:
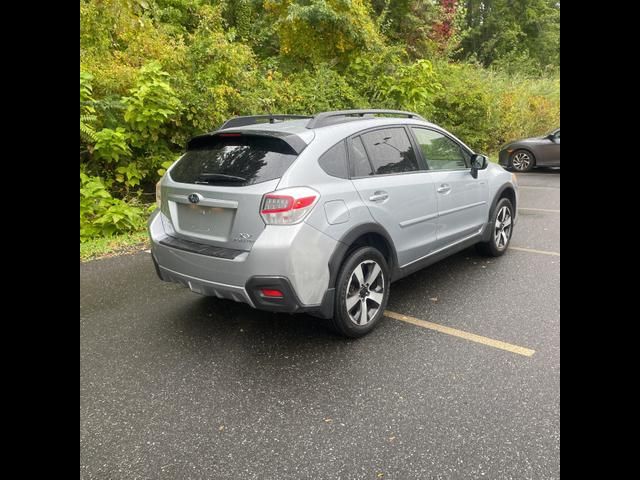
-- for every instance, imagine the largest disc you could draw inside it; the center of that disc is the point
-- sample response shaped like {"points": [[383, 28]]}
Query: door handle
{"points": [[379, 196], [444, 188]]}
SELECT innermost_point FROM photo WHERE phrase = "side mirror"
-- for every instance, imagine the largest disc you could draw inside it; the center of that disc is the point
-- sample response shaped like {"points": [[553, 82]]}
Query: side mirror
{"points": [[551, 137], [478, 162]]}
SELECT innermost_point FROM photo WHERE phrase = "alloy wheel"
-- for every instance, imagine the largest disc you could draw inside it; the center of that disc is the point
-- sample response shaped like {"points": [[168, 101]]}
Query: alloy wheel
{"points": [[503, 228], [521, 161], [365, 292]]}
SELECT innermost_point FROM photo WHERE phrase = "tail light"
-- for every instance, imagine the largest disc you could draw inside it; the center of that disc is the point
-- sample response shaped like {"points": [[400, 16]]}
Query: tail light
{"points": [[289, 206], [158, 194]]}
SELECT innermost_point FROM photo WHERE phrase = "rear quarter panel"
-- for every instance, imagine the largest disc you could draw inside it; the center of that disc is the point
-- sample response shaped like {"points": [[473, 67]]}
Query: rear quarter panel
{"points": [[340, 207]]}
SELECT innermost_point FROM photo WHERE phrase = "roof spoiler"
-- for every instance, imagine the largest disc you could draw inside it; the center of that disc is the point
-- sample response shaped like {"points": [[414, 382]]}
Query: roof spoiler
{"points": [[294, 141]]}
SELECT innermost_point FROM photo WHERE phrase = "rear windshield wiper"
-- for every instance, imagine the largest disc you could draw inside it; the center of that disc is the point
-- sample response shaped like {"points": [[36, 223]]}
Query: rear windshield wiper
{"points": [[220, 177]]}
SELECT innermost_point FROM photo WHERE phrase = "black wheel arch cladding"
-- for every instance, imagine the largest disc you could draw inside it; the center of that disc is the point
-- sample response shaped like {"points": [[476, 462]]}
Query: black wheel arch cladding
{"points": [[348, 241]]}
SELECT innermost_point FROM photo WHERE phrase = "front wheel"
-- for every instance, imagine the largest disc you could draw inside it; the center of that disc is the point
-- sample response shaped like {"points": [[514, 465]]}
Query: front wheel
{"points": [[522, 161], [362, 292], [501, 230]]}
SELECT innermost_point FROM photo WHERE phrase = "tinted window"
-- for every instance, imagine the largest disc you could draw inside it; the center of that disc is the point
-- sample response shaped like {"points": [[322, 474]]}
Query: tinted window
{"points": [[440, 152], [234, 161], [390, 151], [334, 161], [358, 159]]}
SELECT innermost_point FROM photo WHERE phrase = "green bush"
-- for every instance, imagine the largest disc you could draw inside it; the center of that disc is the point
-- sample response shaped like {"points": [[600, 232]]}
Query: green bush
{"points": [[523, 106], [111, 145], [463, 104], [101, 214], [487, 108], [151, 105]]}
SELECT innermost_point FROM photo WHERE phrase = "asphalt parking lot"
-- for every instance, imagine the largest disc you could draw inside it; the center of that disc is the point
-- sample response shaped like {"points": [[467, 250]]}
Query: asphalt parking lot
{"points": [[174, 385]]}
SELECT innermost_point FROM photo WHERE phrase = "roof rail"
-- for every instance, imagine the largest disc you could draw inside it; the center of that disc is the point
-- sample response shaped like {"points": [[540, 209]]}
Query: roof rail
{"points": [[327, 118], [255, 119]]}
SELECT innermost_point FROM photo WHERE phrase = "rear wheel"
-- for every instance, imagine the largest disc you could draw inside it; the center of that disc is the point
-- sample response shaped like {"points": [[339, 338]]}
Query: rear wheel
{"points": [[501, 230], [362, 292], [522, 160]]}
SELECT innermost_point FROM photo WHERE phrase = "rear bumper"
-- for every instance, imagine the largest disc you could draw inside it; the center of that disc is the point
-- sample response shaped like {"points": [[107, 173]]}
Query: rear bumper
{"points": [[295, 257], [250, 293], [201, 286]]}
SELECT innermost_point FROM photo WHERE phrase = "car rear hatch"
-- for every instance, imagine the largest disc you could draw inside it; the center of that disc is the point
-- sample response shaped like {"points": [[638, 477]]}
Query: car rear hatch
{"points": [[213, 194]]}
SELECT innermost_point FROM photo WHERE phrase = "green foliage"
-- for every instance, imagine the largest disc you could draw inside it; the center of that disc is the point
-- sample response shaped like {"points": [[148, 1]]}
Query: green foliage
{"points": [[87, 110], [111, 145], [103, 215], [220, 77], [512, 33], [87, 132], [151, 104], [86, 93], [411, 87], [317, 31], [489, 108], [243, 19], [153, 73], [118, 244], [131, 174], [311, 91], [521, 106], [164, 165], [463, 105]]}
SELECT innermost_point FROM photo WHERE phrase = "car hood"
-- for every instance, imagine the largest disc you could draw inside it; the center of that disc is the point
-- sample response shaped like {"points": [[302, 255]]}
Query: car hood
{"points": [[524, 141]]}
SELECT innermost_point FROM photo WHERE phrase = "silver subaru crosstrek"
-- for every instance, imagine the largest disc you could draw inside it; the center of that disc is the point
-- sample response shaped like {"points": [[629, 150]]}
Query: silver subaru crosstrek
{"points": [[320, 214]]}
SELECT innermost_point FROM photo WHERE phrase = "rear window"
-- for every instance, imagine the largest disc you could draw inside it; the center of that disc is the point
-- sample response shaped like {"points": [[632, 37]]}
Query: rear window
{"points": [[233, 160]]}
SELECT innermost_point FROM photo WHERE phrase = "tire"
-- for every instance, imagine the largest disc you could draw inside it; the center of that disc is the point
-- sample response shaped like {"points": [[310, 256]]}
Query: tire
{"points": [[372, 292], [502, 222], [522, 161]]}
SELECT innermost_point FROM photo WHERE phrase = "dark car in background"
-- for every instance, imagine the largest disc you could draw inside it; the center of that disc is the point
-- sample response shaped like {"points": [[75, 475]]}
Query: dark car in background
{"points": [[523, 155]]}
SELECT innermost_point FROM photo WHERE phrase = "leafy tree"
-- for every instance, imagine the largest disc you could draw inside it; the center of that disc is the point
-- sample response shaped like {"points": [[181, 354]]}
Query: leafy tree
{"points": [[513, 31], [317, 31]]}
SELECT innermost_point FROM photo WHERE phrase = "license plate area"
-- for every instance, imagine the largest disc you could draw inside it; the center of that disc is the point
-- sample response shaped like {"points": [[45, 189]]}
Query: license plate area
{"points": [[212, 223]]}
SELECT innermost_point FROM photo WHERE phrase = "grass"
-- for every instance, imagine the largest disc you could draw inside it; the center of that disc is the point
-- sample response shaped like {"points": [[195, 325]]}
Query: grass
{"points": [[116, 245]]}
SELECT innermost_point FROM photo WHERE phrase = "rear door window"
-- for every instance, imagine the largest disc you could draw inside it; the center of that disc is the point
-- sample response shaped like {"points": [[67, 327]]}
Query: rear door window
{"points": [[234, 160], [390, 151], [360, 166]]}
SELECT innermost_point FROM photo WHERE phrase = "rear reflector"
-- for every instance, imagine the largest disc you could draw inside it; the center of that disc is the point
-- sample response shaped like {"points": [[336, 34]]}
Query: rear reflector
{"points": [[268, 292]]}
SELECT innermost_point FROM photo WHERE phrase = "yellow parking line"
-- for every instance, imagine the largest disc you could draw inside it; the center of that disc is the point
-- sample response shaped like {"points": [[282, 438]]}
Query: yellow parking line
{"points": [[531, 250], [527, 352], [539, 210]]}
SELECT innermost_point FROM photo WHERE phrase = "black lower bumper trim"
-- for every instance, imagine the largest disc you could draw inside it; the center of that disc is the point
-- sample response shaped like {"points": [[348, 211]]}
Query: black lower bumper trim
{"points": [[289, 302], [157, 267], [202, 249]]}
